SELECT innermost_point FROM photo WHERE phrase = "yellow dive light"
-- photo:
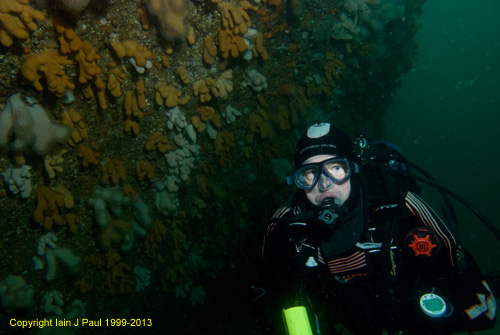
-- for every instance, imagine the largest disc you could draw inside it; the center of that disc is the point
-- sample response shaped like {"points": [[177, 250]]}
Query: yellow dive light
{"points": [[296, 321]]}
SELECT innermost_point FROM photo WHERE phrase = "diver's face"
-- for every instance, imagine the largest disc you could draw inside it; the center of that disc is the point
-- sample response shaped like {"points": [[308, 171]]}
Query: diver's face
{"points": [[325, 188]]}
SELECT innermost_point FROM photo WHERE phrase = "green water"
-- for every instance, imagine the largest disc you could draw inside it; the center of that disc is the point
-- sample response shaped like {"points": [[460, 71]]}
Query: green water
{"points": [[446, 115]]}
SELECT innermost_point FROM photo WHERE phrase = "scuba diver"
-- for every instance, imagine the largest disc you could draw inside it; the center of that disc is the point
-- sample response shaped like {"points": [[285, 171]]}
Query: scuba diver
{"points": [[356, 246]]}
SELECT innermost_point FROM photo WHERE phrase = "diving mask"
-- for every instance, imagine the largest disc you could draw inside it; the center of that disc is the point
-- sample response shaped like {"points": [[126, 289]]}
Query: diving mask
{"points": [[334, 170]]}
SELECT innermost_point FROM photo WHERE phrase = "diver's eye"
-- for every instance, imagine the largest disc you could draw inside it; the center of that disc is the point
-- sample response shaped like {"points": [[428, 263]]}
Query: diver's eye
{"points": [[309, 176], [336, 170]]}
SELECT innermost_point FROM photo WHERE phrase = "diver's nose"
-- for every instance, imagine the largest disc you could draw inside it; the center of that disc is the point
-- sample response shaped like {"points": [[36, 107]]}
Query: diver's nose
{"points": [[324, 182]]}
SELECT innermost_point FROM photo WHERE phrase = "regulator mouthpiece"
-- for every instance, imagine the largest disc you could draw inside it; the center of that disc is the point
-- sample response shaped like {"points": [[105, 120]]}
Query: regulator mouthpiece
{"points": [[329, 213]]}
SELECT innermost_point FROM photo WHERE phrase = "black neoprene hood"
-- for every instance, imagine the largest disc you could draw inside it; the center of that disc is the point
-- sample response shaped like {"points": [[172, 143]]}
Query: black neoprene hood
{"points": [[323, 139]]}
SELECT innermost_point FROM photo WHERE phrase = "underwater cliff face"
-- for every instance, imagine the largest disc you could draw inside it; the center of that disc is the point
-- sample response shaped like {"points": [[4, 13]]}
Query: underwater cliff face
{"points": [[176, 109]]}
